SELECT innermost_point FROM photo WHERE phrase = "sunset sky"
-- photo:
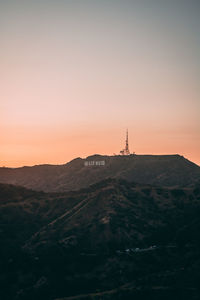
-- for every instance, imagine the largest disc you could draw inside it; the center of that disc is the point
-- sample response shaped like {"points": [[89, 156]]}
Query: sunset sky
{"points": [[75, 74]]}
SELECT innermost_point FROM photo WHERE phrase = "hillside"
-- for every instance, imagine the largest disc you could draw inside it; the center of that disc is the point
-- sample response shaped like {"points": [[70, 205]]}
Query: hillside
{"points": [[163, 170], [113, 240], [121, 214]]}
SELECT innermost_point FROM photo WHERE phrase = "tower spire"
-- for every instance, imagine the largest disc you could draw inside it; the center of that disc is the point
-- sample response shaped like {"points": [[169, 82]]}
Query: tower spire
{"points": [[126, 151]]}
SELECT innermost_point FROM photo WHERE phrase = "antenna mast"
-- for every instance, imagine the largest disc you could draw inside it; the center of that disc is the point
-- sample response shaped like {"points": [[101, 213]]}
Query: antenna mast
{"points": [[126, 151]]}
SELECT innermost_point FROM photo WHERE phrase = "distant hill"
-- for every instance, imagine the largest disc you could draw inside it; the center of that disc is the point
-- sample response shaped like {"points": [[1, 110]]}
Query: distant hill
{"points": [[163, 170], [112, 240], [115, 213]]}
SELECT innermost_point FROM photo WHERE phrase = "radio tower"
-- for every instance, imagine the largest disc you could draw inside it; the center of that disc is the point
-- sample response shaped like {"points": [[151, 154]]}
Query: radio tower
{"points": [[126, 151]]}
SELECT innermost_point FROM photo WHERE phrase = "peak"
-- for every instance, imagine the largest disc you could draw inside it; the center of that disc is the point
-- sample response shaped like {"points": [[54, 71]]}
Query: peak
{"points": [[74, 160], [94, 156]]}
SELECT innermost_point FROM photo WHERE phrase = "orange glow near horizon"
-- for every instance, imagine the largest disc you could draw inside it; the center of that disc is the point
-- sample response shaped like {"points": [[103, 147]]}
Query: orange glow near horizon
{"points": [[74, 77], [61, 147]]}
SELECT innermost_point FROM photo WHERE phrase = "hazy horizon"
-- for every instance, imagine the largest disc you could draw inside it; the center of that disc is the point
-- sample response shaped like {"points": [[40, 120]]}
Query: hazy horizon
{"points": [[84, 157], [76, 74]]}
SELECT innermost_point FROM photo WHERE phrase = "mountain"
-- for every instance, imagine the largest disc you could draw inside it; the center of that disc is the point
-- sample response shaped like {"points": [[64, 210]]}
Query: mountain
{"points": [[163, 170], [113, 240], [121, 214]]}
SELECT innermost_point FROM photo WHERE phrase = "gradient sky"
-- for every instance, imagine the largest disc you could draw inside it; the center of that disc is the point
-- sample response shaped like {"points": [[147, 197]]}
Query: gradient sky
{"points": [[75, 74]]}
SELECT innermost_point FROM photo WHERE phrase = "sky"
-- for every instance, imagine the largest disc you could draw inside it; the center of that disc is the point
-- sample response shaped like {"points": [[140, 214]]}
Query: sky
{"points": [[74, 74]]}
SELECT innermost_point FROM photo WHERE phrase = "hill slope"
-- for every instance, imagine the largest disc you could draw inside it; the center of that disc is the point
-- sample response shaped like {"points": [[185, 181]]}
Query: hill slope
{"points": [[120, 214], [86, 242], [164, 170]]}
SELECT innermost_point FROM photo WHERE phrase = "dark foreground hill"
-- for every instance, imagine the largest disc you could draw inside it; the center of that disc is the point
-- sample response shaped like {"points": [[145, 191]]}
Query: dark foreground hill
{"points": [[113, 240], [163, 170]]}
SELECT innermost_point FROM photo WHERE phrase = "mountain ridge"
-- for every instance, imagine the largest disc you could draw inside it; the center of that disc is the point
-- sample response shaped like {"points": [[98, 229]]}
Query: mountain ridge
{"points": [[163, 170]]}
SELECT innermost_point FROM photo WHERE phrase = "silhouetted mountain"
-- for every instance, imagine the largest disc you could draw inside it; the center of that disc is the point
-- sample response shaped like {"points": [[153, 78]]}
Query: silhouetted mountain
{"points": [[120, 213], [112, 240], [164, 170]]}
